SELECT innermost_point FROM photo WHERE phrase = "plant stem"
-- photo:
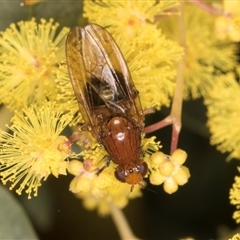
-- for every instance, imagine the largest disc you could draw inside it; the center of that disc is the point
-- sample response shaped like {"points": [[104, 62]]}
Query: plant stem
{"points": [[209, 8], [174, 117], [121, 224]]}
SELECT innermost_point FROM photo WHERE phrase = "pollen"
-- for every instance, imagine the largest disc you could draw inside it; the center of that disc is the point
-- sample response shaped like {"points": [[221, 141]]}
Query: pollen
{"points": [[29, 57], [235, 197], [36, 149], [65, 93]]}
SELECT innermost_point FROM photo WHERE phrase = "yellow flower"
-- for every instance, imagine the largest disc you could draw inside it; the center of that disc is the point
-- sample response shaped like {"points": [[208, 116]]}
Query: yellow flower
{"points": [[100, 190], [206, 55], [155, 84], [168, 170], [223, 110], [35, 149], [29, 55], [235, 237], [229, 26], [66, 96], [127, 18], [235, 197]]}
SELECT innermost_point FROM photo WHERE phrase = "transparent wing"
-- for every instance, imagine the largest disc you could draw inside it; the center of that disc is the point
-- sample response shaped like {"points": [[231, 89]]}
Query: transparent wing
{"points": [[100, 76], [76, 69]]}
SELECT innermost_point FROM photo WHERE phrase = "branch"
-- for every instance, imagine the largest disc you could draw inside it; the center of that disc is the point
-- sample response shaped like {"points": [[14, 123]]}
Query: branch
{"points": [[209, 8], [174, 117], [121, 224]]}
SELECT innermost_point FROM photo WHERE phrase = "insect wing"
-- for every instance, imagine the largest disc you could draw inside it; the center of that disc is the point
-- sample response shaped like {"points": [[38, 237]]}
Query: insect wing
{"points": [[109, 66], [114, 72], [100, 76], [76, 70]]}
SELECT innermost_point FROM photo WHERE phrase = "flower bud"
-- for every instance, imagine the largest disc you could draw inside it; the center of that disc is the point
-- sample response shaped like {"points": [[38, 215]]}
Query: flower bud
{"points": [[158, 158], [80, 184], [170, 186], [180, 177], [156, 178], [186, 170], [179, 156], [75, 167], [167, 168]]}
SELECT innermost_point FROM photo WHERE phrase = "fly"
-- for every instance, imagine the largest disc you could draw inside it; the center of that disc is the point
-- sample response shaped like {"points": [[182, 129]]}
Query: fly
{"points": [[107, 98]]}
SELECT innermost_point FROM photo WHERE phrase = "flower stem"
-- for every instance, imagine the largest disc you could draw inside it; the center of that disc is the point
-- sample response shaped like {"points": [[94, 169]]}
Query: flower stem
{"points": [[209, 8], [121, 224], [174, 117]]}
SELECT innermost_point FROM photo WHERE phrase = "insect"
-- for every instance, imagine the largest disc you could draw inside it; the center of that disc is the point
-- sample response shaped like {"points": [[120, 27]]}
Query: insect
{"points": [[107, 98]]}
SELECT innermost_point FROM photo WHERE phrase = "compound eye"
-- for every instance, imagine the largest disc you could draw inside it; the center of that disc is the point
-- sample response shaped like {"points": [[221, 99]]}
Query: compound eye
{"points": [[143, 168], [120, 176]]}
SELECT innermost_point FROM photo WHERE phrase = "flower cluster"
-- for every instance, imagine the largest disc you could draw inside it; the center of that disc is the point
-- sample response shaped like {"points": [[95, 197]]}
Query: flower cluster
{"points": [[235, 197], [29, 55], [130, 19], [35, 149], [228, 27], [66, 96], [235, 237], [206, 55], [169, 170], [101, 190], [222, 110]]}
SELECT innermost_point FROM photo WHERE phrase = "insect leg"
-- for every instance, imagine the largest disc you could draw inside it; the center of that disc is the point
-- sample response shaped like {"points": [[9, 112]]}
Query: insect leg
{"points": [[108, 161], [148, 111]]}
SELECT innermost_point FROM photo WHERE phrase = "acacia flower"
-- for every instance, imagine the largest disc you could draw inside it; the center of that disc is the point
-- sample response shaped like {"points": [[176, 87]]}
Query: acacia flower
{"points": [[235, 237], [35, 149], [155, 84], [235, 197], [128, 18], [229, 26], [169, 170], [66, 96], [223, 110], [100, 191], [206, 55], [29, 54]]}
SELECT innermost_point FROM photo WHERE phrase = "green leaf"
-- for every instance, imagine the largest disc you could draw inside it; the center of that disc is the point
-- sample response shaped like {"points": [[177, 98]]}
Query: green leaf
{"points": [[14, 223]]}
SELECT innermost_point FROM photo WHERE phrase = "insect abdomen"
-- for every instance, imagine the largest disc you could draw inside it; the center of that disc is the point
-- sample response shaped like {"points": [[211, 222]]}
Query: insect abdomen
{"points": [[122, 140]]}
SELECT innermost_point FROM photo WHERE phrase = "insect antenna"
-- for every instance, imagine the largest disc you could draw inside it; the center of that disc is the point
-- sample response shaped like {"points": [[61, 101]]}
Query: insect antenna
{"points": [[144, 187]]}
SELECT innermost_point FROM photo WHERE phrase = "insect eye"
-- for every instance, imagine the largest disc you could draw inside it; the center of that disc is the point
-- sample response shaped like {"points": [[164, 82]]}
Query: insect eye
{"points": [[120, 176], [143, 168]]}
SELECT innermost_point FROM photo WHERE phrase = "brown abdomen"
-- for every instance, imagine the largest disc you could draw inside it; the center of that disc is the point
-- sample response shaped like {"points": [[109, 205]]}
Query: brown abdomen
{"points": [[122, 141]]}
